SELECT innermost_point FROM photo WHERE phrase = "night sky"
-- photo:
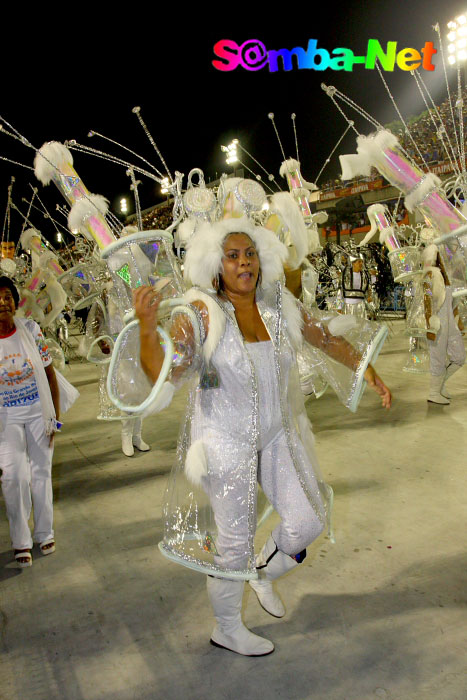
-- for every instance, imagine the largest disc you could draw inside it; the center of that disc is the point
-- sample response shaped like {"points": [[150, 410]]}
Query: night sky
{"points": [[66, 73]]}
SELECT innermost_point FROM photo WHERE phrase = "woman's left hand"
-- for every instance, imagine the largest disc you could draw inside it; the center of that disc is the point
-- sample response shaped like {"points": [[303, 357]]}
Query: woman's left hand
{"points": [[377, 384]]}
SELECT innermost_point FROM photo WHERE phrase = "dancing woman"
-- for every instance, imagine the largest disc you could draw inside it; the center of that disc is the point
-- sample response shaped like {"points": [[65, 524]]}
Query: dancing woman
{"points": [[245, 422]]}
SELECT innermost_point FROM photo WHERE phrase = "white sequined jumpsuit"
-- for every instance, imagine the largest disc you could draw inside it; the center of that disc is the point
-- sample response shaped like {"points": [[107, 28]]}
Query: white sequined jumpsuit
{"points": [[225, 436]]}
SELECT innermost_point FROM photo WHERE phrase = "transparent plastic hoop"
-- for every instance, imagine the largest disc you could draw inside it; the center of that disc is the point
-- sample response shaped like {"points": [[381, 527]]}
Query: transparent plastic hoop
{"points": [[106, 359], [166, 365]]}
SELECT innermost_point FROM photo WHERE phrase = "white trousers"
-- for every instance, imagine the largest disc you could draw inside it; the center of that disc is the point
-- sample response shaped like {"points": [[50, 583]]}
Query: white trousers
{"points": [[26, 463], [449, 344], [229, 490], [132, 426]]}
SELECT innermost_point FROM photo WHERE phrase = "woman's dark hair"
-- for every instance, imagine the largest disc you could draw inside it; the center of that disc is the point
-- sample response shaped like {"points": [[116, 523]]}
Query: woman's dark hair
{"points": [[7, 283]]}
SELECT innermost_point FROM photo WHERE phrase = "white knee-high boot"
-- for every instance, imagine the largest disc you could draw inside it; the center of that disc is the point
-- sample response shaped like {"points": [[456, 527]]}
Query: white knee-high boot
{"points": [[127, 437], [138, 441], [230, 632], [451, 369], [435, 395], [270, 564]]}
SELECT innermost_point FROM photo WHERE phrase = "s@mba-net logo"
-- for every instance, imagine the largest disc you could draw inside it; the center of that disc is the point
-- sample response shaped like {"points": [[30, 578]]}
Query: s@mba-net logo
{"points": [[253, 55]]}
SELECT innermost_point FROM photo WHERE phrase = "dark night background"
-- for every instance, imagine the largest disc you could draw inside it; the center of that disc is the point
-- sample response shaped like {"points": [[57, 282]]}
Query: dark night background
{"points": [[65, 73]]}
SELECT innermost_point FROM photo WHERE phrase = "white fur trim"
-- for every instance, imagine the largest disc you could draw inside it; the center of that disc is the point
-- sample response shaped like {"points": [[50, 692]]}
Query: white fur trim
{"points": [[83, 209], [216, 320], [184, 231], [429, 255], [26, 236], [57, 155], [44, 258], [368, 153], [377, 142], [289, 212], [341, 324], [162, 400], [353, 165], [293, 319], [203, 260], [288, 166], [320, 217], [195, 463], [418, 194]]}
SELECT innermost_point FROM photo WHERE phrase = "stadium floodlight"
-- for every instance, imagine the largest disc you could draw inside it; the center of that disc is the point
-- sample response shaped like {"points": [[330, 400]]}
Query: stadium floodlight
{"points": [[58, 237], [230, 152], [457, 37], [165, 185], [123, 206]]}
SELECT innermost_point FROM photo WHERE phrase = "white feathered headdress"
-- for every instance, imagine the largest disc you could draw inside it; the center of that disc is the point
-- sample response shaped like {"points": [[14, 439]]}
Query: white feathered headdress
{"points": [[203, 260]]}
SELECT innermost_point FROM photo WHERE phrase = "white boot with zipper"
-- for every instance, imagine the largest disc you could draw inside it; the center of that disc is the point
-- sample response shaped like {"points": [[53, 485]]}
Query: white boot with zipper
{"points": [[230, 632], [270, 564]]}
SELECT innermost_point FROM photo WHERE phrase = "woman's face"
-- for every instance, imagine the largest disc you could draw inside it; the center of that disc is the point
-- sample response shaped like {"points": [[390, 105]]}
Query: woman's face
{"points": [[7, 304], [240, 264]]}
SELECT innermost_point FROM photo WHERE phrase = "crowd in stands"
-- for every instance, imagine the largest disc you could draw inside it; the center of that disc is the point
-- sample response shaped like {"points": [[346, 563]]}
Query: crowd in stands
{"points": [[428, 138], [157, 218]]}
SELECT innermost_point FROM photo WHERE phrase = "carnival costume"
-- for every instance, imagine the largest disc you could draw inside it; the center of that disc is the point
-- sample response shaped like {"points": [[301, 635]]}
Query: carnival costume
{"points": [[245, 422]]}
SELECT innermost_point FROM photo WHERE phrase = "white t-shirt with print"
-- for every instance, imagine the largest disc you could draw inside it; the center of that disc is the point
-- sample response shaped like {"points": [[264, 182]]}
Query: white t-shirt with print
{"points": [[19, 396]]}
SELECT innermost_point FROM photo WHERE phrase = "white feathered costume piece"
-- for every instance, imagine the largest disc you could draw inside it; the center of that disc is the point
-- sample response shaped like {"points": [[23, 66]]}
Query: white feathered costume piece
{"points": [[83, 209], [49, 158]]}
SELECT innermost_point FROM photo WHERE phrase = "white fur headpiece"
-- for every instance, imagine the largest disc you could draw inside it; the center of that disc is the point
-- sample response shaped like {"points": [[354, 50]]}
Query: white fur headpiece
{"points": [[52, 155], [203, 260]]}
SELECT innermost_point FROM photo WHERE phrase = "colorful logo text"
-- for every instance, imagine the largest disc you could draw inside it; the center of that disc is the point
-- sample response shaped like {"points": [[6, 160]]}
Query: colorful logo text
{"points": [[252, 55]]}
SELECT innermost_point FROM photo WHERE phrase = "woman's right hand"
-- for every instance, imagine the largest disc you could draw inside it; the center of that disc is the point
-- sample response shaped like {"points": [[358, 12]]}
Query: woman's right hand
{"points": [[146, 302]]}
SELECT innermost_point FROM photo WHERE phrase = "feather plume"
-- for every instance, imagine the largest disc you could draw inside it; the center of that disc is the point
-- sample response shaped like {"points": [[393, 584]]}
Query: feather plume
{"points": [[287, 208]]}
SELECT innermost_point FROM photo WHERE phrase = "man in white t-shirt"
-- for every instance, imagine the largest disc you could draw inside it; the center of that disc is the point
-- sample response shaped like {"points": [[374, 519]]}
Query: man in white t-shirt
{"points": [[26, 437]]}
